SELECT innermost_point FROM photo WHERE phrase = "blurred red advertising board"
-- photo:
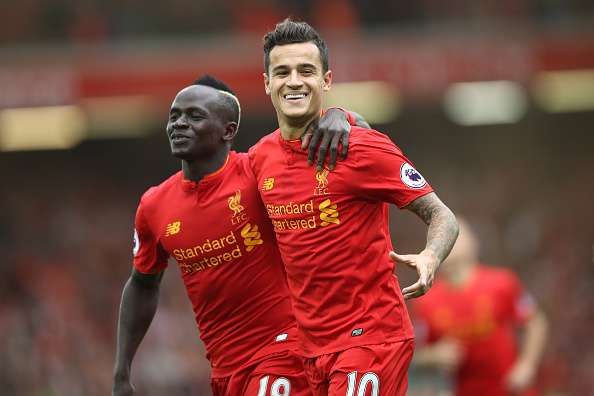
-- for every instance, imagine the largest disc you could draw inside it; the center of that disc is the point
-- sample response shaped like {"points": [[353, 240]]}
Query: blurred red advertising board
{"points": [[421, 68]]}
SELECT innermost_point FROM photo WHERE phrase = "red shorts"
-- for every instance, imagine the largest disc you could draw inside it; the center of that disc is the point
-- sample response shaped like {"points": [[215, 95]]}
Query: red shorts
{"points": [[369, 370], [279, 374], [276, 370]]}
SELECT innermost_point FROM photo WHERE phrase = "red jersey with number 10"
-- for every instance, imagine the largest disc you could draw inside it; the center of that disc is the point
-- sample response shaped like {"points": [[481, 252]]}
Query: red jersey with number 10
{"points": [[218, 233], [333, 234]]}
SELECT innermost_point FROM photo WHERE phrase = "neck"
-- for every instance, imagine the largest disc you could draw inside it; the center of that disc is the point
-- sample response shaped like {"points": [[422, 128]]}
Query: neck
{"points": [[195, 170], [294, 128]]}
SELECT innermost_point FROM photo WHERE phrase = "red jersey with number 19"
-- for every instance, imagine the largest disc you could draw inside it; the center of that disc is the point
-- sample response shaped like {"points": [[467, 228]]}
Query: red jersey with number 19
{"points": [[218, 233], [333, 234]]}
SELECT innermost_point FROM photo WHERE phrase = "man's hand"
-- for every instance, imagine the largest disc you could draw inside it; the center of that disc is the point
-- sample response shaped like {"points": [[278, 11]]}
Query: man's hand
{"points": [[520, 377], [426, 265], [122, 387], [332, 129]]}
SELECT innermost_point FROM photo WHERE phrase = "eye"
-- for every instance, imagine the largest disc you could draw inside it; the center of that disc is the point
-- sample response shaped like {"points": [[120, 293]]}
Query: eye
{"points": [[196, 117], [173, 116], [281, 73], [307, 72]]}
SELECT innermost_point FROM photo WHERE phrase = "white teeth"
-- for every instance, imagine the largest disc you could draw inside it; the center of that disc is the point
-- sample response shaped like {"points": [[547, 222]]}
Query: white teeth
{"points": [[295, 96]]}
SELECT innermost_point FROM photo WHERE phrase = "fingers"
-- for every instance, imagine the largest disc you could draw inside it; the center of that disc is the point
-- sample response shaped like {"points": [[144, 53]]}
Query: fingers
{"points": [[305, 139], [407, 259], [323, 150], [333, 151], [345, 145], [421, 287], [313, 143], [415, 290]]}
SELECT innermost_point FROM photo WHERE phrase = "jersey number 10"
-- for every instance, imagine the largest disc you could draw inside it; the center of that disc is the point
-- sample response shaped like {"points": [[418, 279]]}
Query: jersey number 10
{"points": [[368, 379]]}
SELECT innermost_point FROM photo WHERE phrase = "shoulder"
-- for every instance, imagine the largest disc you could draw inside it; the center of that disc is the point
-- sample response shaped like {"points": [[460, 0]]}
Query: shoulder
{"points": [[364, 140], [240, 164], [265, 142], [153, 194], [259, 152]]}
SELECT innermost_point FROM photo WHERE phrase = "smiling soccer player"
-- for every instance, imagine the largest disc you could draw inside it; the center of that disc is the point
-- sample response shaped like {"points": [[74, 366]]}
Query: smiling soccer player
{"points": [[210, 218], [354, 330]]}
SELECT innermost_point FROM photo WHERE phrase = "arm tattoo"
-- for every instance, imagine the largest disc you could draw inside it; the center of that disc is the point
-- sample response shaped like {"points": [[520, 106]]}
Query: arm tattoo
{"points": [[443, 228]]}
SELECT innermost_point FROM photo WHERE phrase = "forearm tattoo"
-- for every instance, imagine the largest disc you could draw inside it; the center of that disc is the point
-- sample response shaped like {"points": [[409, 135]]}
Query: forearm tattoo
{"points": [[443, 228]]}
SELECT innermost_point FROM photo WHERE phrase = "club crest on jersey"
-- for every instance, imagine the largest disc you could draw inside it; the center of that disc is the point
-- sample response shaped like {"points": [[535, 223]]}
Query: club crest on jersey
{"points": [[322, 179], [411, 177], [135, 243], [237, 208]]}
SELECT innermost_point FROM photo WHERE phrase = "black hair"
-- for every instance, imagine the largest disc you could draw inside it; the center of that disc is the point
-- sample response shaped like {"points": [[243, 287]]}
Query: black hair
{"points": [[289, 32], [231, 104], [210, 81]]}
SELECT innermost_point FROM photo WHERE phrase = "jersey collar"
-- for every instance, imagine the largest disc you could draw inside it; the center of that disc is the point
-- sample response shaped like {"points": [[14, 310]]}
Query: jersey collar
{"points": [[292, 145]]}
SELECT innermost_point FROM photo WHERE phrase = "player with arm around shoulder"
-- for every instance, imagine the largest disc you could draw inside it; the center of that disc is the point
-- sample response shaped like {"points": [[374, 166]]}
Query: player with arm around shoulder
{"points": [[209, 218], [332, 229]]}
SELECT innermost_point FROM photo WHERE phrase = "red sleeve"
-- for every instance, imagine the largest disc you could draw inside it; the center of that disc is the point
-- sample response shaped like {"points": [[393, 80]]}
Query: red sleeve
{"points": [[149, 256], [382, 172], [521, 305]]}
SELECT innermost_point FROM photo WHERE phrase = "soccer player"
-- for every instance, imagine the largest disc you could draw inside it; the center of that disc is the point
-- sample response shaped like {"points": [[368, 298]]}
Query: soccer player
{"points": [[210, 219], [332, 229], [468, 325]]}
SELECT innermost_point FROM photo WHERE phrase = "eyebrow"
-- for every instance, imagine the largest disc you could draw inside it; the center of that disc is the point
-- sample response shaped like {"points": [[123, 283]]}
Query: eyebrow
{"points": [[299, 66], [188, 109]]}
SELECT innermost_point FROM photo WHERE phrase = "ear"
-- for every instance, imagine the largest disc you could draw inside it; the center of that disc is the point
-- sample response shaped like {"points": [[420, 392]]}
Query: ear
{"points": [[230, 131], [327, 81], [266, 81]]}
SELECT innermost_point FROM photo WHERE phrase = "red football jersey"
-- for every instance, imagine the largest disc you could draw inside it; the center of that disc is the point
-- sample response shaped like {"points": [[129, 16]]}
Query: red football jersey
{"points": [[218, 233], [483, 316], [333, 234]]}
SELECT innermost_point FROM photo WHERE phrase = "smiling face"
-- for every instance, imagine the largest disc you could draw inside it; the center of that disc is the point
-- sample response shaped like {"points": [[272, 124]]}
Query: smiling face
{"points": [[295, 81], [197, 127]]}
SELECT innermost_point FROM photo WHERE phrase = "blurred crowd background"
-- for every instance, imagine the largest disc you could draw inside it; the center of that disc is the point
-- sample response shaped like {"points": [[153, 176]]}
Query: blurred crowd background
{"points": [[104, 74]]}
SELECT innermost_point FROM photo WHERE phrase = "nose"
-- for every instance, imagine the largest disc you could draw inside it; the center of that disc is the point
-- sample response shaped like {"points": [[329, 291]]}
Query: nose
{"points": [[294, 80], [180, 123]]}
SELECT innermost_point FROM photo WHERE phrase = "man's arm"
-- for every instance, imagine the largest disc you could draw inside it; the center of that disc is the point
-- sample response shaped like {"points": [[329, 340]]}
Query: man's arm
{"points": [[441, 234], [532, 347], [137, 309]]}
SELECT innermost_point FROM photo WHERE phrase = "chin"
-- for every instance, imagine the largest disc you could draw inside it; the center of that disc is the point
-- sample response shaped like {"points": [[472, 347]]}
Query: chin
{"points": [[180, 154], [298, 114]]}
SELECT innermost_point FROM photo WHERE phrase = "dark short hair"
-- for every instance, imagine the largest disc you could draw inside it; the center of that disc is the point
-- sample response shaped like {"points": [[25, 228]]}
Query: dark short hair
{"points": [[227, 102], [289, 32], [210, 81]]}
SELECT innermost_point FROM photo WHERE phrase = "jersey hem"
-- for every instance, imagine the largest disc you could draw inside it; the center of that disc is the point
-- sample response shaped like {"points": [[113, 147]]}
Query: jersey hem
{"points": [[374, 341]]}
